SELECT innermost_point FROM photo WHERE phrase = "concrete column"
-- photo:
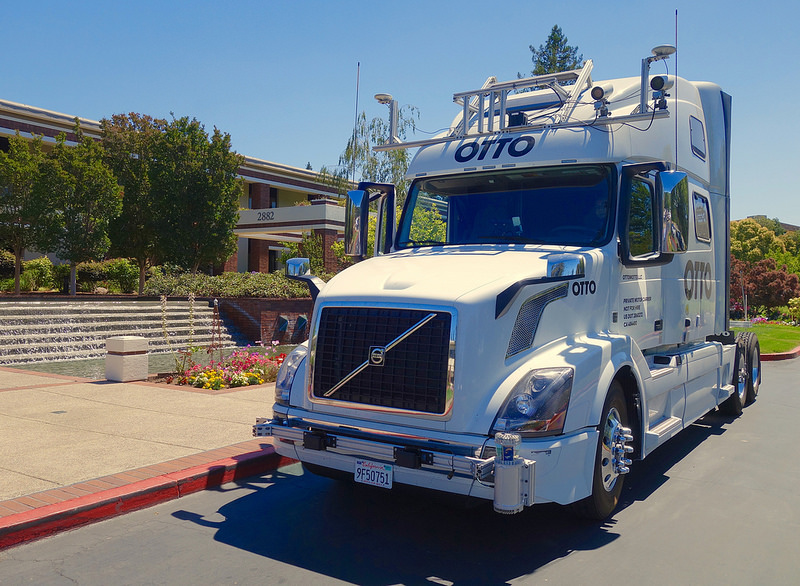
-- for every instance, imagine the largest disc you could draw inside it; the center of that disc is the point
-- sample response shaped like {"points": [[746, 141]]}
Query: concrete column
{"points": [[329, 258], [258, 255], [126, 358], [259, 196]]}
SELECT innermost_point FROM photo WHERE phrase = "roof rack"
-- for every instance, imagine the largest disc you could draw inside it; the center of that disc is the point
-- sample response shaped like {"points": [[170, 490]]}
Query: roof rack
{"points": [[490, 101], [485, 110]]}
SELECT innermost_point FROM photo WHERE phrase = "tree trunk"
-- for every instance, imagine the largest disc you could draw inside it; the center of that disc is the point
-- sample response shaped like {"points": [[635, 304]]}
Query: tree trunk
{"points": [[18, 253], [73, 279], [142, 274]]}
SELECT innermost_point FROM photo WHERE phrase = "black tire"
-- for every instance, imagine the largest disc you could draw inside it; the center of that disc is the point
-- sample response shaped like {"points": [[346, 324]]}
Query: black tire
{"points": [[753, 349], [734, 404], [606, 482]]}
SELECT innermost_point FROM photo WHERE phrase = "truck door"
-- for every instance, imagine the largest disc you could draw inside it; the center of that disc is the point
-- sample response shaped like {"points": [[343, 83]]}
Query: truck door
{"points": [[638, 311]]}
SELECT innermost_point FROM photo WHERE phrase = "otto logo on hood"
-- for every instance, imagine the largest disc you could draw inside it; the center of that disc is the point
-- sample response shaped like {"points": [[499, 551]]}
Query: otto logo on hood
{"points": [[517, 147]]}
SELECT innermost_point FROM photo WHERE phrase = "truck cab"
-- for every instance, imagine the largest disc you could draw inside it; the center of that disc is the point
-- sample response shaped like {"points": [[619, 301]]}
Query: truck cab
{"points": [[551, 305]]}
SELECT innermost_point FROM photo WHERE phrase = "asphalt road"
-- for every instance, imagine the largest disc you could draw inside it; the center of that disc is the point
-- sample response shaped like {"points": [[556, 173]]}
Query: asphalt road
{"points": [[719, 504]]}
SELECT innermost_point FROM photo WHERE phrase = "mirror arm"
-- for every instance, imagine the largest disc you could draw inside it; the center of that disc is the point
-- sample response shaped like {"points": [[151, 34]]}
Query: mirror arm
{"points": [[314, 284]]}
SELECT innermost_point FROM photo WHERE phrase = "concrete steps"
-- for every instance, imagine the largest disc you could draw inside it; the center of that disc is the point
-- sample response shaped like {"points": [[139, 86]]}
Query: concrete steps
{"points": [[34, 331]]}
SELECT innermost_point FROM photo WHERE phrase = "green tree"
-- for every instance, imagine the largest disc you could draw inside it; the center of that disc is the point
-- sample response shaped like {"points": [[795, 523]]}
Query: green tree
{"points": [[129, 141], [83, 197], [194, 180], [752, 242], [427, 225], [773, 224], [555, 54], [20, 209]]}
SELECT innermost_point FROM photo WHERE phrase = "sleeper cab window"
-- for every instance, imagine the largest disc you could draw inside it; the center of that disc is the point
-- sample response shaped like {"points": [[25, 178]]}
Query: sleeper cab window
{"points": [[702, 218], [698, 137]]}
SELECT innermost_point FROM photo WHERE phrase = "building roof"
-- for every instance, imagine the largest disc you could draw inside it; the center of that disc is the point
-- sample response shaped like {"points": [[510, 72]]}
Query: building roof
{"points": [[31, 121]]}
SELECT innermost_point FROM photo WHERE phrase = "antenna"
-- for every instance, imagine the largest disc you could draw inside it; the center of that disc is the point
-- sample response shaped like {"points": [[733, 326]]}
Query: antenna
{"points": [[676, 88], [355, 124]]}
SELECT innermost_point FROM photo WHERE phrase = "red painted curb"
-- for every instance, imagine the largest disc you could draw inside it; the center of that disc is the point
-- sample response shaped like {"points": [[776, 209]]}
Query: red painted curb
{"points": [[50, 519], [781, 355]]}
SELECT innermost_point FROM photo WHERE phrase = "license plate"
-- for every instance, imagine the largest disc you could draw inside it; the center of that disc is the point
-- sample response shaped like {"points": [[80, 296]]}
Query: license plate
{"points": [[373, 473]]}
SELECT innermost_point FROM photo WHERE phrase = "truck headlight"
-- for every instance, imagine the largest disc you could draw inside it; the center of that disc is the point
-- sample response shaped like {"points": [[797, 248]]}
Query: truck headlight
{"points": [[537, 404], [283, 383]]}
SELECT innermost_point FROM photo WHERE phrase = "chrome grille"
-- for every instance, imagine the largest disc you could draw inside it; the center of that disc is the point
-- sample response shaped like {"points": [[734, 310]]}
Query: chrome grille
{"points": [[395, 358]]}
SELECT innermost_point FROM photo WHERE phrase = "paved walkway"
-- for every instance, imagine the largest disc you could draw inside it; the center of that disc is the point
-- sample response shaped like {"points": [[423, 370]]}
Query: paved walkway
{"points": [[76, 450]]}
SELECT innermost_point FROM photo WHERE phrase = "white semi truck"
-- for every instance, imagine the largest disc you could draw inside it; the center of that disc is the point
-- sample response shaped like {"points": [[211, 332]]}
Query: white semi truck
{"points": [[551, 306]]}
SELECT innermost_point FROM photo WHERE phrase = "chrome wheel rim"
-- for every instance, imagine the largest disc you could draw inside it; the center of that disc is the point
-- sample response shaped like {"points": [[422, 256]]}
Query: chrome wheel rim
{"points": [[608, 463]]}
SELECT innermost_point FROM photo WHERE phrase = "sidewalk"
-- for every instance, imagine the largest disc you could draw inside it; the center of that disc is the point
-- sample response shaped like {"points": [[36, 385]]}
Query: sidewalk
{"points": [[76, 450]]}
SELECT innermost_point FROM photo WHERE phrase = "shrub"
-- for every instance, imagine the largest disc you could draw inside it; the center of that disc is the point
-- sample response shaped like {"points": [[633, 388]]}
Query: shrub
{"points": [[274, 285], [7, 261], [124, 273], [91, 273], [61, 277], [37, 274]]}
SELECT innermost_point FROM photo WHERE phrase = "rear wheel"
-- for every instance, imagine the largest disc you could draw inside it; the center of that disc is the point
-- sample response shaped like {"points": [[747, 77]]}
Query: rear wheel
{"points": [[753, 349], [734, 404], [611, 461]]}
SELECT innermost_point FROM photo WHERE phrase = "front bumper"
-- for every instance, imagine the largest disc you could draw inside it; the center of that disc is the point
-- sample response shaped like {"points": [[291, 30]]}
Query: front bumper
{"points": [[452, 468]]}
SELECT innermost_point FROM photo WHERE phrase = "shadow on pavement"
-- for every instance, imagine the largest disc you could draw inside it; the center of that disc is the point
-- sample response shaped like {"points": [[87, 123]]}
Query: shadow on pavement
{"points": [[367, 536]]}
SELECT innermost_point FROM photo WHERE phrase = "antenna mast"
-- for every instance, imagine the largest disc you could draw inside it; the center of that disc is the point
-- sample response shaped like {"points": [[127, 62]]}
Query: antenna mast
{"points": [[355, 125], [676, 88]]}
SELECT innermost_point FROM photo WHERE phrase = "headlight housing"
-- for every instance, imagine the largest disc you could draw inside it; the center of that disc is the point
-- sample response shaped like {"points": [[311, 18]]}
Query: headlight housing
{"points": [[283, 383], [537, 404]]}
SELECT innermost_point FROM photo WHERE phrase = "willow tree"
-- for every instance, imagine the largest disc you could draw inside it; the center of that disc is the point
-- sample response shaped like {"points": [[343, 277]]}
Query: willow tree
{"points": [[360, 160]]}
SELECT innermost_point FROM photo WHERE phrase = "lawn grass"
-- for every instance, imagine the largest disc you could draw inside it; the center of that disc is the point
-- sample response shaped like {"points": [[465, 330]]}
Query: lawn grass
{"points": [[774, 337]]}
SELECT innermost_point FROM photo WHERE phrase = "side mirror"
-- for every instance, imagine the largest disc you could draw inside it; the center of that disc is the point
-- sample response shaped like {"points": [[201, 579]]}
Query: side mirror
{"points": [[298, 267], [673, 193], [356, 223]]}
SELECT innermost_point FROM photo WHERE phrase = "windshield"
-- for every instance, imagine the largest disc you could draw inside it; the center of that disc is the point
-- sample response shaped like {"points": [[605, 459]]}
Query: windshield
{"points": [[566, 205]]}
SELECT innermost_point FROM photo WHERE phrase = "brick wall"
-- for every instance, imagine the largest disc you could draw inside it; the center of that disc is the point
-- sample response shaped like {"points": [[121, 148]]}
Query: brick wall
{"points": [[285, 320]]}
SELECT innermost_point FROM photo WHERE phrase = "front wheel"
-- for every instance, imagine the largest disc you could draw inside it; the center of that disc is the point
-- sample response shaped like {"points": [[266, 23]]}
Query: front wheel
{"points": [[611, 461]]}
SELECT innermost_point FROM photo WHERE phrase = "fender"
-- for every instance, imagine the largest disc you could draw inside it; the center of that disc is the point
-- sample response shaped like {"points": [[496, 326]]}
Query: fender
{"points": [[620, 352]]}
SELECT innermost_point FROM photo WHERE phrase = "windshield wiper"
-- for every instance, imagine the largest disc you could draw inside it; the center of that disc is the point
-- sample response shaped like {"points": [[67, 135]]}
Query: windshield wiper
{"points": [[424, 243]]}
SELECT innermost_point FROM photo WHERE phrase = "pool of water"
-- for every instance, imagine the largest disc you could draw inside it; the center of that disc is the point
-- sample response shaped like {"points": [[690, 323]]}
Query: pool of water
{"points": [[96, 368]]}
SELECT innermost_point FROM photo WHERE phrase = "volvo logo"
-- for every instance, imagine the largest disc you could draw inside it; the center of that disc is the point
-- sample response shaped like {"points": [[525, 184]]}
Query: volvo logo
{"points": [[377, 355]]}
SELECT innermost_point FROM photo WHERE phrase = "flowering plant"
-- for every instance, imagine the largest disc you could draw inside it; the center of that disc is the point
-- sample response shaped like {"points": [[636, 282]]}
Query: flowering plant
{"points": [[242, 368]]}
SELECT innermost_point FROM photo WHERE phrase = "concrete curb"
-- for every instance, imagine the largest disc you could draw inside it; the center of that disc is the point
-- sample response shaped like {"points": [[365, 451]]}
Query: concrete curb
{"points": [[50, 519]]}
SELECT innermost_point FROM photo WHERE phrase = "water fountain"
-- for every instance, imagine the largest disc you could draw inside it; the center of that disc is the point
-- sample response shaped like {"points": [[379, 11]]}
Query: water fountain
{"points": [[54, 331]]}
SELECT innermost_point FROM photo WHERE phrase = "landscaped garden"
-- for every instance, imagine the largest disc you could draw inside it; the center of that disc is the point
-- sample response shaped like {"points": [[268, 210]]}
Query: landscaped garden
{"points": [[774, 337]]}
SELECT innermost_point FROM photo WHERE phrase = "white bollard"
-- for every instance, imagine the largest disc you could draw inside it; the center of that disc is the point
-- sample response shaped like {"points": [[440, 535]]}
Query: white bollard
{"points": [[126, 358]]}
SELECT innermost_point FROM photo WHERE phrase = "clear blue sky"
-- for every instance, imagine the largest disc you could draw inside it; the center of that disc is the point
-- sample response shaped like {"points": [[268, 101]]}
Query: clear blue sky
{"points": [[280, 75]]}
